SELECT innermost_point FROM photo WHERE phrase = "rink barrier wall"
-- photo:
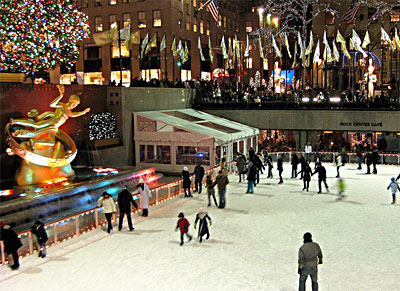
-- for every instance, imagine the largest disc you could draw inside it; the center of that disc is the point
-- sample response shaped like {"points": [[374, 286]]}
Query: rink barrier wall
{"points": [[77, 224]]}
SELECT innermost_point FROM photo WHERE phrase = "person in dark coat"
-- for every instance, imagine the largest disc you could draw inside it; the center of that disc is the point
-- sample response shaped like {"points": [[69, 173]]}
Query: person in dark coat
{"points": [[241, 166], [183, 225], [41, 235], [198, 177], [251, 154], [11, 243], [259, 167], [270, 167], [359, 156], [306, 176], [302, 162], [221, 181], [251, 178], [210, 190], [294, 162], [280, 168], [368, 161], [124, 203], [186, 183], [375, 159], [202, 217], [321, 177]]}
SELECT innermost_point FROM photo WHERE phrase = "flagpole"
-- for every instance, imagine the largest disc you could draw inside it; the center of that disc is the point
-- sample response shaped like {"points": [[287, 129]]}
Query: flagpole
{"points": [[120, 53], [165, 57], [158, 57], [173, 62]]}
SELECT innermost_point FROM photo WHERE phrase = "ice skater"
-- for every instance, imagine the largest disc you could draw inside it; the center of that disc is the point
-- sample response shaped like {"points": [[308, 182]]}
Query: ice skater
{"points": [[339, 163], [394, 186], [251, 178], [145, 195], [183, 225], [41, 236], [124, 203], [202, 217], [294, 162], [221, 181], [241, 166], [186, 183], [321, 177], [106, 200], [341, 188], [198, 177], [310, 255], [270, 167], [302, 162], [306, 173], [210, 190], [375, 159], [368, 161], [280, 168], [11, 243]]}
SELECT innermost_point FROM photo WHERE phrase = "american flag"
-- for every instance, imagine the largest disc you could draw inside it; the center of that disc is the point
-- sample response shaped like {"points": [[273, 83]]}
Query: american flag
{"points": [[351, 11], [212, 7]]}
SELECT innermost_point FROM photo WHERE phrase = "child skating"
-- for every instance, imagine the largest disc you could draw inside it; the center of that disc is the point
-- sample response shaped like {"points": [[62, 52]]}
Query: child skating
{"points": [[341, 188], [202, 216], [394, 186], [183, 225]]}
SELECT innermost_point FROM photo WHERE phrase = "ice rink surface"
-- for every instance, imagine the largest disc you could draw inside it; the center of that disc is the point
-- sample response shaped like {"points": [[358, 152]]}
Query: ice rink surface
{"points": [[253, 245]]}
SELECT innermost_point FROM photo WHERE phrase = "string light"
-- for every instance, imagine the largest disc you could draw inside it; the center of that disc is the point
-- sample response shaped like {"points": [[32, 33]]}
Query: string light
{"points": [[102, 126], [38, 35]]}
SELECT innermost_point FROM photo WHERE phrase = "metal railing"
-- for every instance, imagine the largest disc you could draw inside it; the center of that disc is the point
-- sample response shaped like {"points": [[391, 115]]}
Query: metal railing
{"points": [[72, 226]]}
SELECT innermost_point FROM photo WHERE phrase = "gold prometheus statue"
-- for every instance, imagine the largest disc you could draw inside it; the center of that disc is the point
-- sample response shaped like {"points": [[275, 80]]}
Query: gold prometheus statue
{"points": [[46, 150]]}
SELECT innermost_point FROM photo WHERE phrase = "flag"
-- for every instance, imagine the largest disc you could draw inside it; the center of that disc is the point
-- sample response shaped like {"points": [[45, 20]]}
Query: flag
{"points": [[351, 12], [105, 37], [247, 50], [342, 41], [356, 40], [310, 44], [301, 45], [224, 53], [260, 47], [180, 50], [210, 49], [237, 49], [152, 43], [230, 51], [135, 38], [144, 44], [366, 41], [173, 49], [336, 54], [397, 39], [125, 32], [295, 56], [203, 59], [287, 45], [163, 44], [185, 54], [212, 7], [386, 37], [327, 51], [317, 53], [277, 51]]}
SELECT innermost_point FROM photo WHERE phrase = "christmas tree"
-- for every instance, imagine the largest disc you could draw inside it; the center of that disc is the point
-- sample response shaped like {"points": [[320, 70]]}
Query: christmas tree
{"points": [[38, 35]]}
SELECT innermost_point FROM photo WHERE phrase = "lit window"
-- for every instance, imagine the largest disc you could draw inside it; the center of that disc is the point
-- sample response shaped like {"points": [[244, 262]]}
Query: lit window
{"points": [[127, 19], [187, 22], [224, 21], [329, 18], [97, 3], [208, 27], [249, 27], [249, 62], [194, 25], [113, 2], [126, 1], [99, 23], [219, 20], [265, 64], [180, 19], [113, 20], [395, 15], [142, 19], [156, 18], [194, 3], [115, 50], [201, 26]]}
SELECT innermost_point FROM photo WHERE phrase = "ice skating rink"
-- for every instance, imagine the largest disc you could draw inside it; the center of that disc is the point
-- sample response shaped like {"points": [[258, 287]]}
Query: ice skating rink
{"points": [[253, 245]]}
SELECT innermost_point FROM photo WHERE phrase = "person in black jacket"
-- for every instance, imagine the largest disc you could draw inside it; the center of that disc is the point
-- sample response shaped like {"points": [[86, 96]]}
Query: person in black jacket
{"points": [[41, 235], [202, 217], [302, 162], [251, 177], [280, 168], [270, 167], [295, 162], [321, 177], [11, 243], [306, 173], [259, 167], [368, 161], [124, 203], [186, 183], [375, 159], [198, 177]]}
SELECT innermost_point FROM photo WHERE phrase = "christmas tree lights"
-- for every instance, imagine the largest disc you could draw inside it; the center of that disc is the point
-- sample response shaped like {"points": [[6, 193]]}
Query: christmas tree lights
{"points": [[38, 35]]}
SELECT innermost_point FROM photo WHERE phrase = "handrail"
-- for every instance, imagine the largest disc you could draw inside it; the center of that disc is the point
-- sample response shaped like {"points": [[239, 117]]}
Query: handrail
{"points": [[53, 224]]}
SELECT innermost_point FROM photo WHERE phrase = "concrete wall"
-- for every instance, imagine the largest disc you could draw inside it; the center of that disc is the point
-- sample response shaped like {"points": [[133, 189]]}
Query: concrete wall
{"points": [[315, 119]]}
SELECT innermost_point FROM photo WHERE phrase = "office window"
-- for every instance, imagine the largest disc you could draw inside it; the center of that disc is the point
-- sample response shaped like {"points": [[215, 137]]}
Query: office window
{"points": [[156, 18], [194, 25], [98, 20], [229, 23], [372, 17], [249, 27], [249, 62], [224, 21], [84, 3], [201, 26], [208, 27], [97, 3], [187, 22], [112, 2], [194, 3], [188, 2], [113, 20], [219, 20], [126, 18], [395, 14], [126, 1], [180, 19], [142, 19], [329, 18]]}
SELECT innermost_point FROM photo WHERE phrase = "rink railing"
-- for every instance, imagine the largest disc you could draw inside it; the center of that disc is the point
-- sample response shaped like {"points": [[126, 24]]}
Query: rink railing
{"points": [[329, 157], [72, 226]]}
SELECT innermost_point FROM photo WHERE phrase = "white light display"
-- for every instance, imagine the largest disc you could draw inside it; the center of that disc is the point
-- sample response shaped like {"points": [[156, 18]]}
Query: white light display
{"points": [[102, 126]]}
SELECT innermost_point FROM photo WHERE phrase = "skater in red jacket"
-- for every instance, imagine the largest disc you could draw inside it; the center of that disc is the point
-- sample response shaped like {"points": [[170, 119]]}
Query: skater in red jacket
{"points": [[183, 224]]}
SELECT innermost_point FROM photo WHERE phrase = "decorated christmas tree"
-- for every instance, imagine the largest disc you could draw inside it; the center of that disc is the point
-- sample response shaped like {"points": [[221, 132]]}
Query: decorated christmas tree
{"points": [[38, 35]]}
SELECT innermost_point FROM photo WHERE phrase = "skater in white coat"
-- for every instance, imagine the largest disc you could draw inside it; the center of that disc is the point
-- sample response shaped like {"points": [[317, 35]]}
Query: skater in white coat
{"points": [[145, 196]]}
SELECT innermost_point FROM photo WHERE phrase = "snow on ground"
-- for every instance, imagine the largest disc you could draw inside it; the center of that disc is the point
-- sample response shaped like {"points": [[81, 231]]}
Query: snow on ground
{"points": [[253, 245]]}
